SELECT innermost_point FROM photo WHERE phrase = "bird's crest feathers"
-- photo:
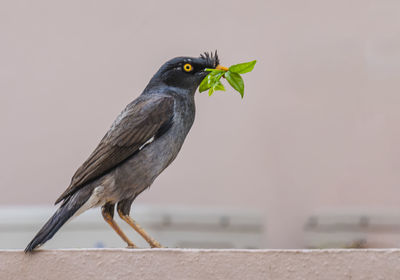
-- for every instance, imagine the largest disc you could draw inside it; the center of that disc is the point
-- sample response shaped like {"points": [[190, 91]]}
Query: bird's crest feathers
{"points": [[211, 58]]}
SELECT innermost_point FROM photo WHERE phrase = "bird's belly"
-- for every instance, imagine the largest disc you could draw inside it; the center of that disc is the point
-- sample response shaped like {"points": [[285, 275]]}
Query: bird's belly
{"points": [[139, 171]]}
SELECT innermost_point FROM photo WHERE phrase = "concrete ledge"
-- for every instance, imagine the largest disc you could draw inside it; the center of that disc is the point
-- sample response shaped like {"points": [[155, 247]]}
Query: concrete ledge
{"points": [[201, 264]]}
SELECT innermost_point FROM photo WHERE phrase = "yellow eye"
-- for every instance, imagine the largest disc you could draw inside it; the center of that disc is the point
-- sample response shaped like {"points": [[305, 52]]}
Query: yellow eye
{"points": [[187, 67]]}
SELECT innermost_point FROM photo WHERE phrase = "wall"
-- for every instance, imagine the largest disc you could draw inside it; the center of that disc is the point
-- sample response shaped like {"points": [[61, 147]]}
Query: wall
{"points": [[317, 129], [201, 264]]}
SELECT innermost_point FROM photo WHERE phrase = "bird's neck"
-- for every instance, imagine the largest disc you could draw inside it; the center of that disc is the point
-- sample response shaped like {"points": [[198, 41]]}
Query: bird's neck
{"points": [[157, 87]]}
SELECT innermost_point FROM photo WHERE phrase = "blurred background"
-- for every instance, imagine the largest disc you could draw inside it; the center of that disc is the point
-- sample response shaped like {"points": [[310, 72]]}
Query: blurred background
{"points": [[308, 159]]}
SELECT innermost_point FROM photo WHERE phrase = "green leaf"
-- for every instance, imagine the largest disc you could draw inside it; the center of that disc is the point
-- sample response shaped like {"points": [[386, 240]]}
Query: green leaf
{"points": [[217, 86], [236, 81], [204, 85], [211, 80], [211, 91], [243, 67]]}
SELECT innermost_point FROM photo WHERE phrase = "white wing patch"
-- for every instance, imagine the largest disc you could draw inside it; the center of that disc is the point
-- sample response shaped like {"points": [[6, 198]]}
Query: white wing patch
{"points": [[147, 142]]}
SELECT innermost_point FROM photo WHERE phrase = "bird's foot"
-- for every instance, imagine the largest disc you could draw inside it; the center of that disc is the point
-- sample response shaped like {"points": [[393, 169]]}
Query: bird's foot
{"points": [[131, 246], [155, 244]]}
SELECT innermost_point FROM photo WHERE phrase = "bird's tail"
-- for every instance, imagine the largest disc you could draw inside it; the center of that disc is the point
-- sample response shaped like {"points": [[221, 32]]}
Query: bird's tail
{"points": [[60, 217]]}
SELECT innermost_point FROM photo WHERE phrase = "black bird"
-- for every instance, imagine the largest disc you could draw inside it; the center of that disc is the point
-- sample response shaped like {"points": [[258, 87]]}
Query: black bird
{"points": [[143, 140]]}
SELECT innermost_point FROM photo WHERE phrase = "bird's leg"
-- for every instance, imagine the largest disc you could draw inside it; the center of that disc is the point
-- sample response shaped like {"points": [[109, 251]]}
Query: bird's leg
{"points": [[152, 242], [108, 214]]}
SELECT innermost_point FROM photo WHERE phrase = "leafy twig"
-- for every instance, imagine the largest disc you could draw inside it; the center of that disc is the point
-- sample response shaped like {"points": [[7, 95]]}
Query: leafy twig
{"points": [[212, 81]]}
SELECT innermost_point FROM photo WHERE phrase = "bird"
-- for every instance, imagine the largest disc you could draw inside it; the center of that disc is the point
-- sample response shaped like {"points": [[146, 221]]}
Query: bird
{"points": [[142, 141]]}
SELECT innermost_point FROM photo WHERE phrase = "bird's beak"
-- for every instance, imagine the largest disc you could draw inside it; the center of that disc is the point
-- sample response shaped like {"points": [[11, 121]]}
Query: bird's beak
{"points": [[220, 67]]}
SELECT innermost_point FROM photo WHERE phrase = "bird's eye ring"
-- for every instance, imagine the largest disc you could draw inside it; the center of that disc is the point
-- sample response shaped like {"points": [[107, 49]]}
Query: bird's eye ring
{"points": [[187, 67]]}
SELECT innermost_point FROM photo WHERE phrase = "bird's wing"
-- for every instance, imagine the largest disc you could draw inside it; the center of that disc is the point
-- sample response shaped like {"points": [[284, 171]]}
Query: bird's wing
{"points": [[137, 124]]}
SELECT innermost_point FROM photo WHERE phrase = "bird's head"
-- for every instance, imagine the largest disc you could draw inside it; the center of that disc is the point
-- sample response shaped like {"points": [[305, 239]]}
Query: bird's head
{"points": [[185, 72]]}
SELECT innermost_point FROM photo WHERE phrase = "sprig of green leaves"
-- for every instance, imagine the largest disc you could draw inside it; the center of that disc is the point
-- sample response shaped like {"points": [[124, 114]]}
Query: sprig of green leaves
{"points": [[212, 81]]}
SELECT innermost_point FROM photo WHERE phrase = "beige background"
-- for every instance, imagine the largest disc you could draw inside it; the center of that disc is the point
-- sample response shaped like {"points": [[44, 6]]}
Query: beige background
{"points": [[317, 129]]}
